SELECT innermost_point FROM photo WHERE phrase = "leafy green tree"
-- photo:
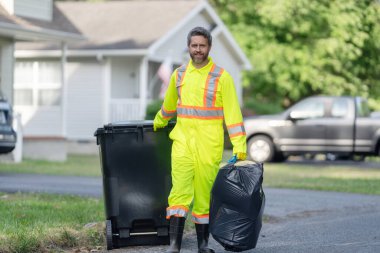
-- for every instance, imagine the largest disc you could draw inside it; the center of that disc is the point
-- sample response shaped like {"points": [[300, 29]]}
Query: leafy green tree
{"points": [[300, 48]]}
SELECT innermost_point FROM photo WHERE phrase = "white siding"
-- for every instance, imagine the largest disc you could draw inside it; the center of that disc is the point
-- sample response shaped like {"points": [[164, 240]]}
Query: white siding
{"points": [[6, 68], [222, 56], [40, 122], [8, 5], [84, 99], [39, 9]]}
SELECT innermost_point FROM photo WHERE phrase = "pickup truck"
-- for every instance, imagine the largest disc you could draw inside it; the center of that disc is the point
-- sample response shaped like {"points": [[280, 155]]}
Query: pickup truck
{"points": [[7, 133], [333, 125]]}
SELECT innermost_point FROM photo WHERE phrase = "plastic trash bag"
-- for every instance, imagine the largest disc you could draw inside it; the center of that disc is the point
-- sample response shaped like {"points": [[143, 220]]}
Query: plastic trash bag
{"points": [[237, 205]]}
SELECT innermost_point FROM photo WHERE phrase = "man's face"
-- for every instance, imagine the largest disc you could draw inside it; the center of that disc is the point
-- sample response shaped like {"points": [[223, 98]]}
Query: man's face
{"points": [[199, 49]]}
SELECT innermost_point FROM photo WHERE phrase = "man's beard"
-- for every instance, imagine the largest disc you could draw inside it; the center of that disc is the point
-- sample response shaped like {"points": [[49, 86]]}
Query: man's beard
{"points": [[198, 60]]}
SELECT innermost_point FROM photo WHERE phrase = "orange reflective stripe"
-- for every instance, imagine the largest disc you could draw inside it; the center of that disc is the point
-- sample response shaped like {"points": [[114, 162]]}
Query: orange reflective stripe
{"points": [[200, 112], [201, 107], [236, 129], [167, 114], [237, 134], [200, 219], [178, 206], [178, 211]]}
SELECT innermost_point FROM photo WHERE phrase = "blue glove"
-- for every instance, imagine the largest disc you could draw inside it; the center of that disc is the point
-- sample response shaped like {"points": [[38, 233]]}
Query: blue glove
{"points": [[233, 159]]}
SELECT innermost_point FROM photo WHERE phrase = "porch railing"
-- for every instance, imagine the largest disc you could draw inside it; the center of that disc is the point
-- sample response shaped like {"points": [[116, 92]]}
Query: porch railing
{"points": [[125, 109]]}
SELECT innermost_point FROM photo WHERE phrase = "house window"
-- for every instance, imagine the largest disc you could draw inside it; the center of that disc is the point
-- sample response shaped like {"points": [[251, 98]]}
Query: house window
{"points": [[37, 83]]}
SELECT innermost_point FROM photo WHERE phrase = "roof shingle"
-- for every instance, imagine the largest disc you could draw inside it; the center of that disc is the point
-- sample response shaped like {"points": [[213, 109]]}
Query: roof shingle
{"points": [[134, 24], [39, 26]]}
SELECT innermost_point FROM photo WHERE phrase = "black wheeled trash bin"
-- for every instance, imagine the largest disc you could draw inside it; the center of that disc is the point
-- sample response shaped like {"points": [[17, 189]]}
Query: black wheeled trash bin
{"points": [[135, 164]]}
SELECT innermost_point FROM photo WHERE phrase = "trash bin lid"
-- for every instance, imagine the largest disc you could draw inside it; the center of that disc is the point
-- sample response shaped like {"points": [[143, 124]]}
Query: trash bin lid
{"points": [[128, 125], [131, 123]]}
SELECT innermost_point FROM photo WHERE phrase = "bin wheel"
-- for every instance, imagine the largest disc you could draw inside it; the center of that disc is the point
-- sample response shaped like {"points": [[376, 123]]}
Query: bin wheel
{"points": [[109, 235]]}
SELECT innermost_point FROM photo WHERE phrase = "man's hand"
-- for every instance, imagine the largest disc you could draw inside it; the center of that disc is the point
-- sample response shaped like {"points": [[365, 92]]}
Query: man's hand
{"points": [[237, 156], [157, 125]]}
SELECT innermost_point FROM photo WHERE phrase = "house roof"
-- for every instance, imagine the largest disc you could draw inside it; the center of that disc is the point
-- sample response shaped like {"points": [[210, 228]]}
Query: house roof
{"points": [[26, 29], [117, 24], [133, 26]]}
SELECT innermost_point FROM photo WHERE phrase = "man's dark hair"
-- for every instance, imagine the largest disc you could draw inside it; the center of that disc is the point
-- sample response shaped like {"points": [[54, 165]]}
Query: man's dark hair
{"points": [[199, 31]]}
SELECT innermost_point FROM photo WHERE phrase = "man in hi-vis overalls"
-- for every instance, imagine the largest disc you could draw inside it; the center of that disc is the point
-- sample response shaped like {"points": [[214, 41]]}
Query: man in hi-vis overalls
{"points": [[202, 95]]}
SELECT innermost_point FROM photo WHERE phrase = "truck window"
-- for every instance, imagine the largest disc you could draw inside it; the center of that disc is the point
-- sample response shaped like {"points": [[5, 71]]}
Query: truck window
{"points": [[339, 108], [362, 108], [310, 108]]}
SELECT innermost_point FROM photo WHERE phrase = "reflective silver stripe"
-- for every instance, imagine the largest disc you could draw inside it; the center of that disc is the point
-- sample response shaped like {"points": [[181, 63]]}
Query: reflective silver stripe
{"points": [[236, 129], [177, 212], [180, 74], [203, 220], [211, 86], [167, 114], [180, 71], [199, 112]]}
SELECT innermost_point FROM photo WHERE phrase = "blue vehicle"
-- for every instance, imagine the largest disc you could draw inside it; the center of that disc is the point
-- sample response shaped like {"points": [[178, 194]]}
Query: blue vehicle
{"points": [[7, 133]]}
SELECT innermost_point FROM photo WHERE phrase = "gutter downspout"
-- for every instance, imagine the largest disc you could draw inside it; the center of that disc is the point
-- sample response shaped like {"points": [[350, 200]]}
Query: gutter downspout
{"points": [[143, 86], [64, 89]]}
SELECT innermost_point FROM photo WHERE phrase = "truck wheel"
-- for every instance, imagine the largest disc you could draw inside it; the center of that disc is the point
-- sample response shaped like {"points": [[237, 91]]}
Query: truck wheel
{"points": [[261, 149], [109, 234]]}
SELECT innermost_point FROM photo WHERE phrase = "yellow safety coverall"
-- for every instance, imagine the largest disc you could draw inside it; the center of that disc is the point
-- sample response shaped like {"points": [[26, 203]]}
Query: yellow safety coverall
{"points": [[201, 99]]}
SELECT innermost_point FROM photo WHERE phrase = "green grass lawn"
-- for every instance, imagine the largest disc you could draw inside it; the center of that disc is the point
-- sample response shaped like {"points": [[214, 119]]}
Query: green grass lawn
{"points": [[329, 178], [75, 165], [49, 223]]}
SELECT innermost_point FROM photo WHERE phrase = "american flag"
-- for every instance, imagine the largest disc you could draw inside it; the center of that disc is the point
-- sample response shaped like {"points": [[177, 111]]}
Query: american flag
{"points": [[164, 72]]}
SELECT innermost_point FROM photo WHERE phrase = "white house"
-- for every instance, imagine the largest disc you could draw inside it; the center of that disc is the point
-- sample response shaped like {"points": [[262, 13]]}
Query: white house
{"points": [[26, 20], [111, 76]]}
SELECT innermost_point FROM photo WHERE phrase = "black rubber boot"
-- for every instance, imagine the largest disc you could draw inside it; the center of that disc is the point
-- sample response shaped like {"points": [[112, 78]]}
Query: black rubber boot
{"points": [[202, 237], [176, 232]]}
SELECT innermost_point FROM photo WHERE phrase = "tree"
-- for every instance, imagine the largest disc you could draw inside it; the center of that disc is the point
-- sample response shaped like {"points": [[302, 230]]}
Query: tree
{"points": [[300, 48]]}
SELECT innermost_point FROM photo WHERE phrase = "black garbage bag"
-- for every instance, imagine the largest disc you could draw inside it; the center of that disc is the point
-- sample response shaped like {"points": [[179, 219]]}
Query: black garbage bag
{"points": [[237, 205]]}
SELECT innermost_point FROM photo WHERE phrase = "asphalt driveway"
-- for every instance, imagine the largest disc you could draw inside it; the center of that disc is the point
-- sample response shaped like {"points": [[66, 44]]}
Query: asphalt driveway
{"points": [[308, 222]]}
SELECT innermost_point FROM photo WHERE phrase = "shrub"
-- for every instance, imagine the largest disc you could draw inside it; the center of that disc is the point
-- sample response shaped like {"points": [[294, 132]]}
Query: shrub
{"points": [[152, 109]]}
